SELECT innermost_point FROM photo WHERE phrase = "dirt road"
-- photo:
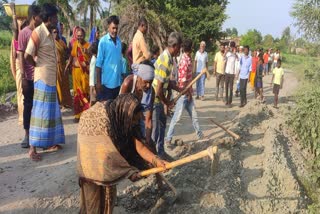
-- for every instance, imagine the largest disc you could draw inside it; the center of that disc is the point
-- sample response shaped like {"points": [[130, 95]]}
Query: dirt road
{"points": [[259, 174]]}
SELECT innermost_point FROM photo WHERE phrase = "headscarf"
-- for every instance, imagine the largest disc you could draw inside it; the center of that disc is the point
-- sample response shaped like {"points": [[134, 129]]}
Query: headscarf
{"points": [[120, 113], [92, 37], [74, 35], [146, 72]]}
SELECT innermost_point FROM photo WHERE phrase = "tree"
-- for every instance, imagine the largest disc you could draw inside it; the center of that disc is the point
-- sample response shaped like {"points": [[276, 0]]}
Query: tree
{"points": [[199, 20], [252, 38], [93, 6], [267, 41], [65, 9], [232, 32], [5, 20], [307, 17], [161, 23]]}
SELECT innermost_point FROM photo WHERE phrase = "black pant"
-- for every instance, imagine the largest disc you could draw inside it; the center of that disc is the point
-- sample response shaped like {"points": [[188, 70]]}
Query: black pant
{"points": [[108, 93], [243, 91], [229, 87], [220, 83], [27, 91]]}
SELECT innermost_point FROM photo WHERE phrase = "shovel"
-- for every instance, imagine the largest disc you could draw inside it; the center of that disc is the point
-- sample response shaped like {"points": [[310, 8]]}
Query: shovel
{"points": [[189, 85], [210, 151]]}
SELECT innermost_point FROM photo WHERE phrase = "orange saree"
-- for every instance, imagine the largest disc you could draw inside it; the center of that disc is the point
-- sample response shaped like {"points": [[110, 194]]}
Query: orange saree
{"points": [[80, 77]]}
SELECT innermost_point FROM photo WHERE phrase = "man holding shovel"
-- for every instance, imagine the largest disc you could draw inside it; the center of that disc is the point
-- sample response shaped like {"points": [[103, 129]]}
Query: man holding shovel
{"points": [[185, 101], [161, 84]]}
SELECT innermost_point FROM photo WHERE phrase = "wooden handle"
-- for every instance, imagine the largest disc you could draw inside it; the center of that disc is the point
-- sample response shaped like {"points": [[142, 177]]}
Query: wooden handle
{"points": [[203, 71], [237, 137], [180, 162]]}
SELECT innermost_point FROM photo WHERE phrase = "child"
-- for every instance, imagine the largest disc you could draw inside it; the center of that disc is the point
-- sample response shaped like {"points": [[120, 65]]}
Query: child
{"points": [[93, 50], [277, 80], [258, 80]]}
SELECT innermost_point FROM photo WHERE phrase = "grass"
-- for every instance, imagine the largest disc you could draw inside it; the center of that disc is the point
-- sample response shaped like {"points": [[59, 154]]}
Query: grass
{"points": [[5, 39], [7, 83]]}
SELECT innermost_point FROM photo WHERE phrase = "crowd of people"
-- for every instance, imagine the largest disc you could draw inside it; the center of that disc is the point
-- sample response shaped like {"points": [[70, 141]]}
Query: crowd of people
{"points": [[121, 96]]}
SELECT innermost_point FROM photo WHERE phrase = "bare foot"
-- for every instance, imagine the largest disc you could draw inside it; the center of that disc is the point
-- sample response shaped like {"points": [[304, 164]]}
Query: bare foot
{"points": [[34, 156]]}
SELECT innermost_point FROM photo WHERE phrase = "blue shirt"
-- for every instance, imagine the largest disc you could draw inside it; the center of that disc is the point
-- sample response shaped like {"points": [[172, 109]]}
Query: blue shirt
{"points": [[109, 60], [245, 66]]}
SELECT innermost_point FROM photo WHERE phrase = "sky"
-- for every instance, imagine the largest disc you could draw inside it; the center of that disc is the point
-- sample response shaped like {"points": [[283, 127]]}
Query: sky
{"points": [[267, 16]]}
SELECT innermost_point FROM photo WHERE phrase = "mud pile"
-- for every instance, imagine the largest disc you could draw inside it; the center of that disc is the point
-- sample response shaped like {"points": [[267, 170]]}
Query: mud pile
{"points": [[256, 174]]}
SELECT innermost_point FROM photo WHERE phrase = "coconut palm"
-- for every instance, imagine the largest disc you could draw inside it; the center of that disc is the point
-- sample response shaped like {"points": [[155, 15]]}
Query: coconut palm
{"points": [[91, 6]]}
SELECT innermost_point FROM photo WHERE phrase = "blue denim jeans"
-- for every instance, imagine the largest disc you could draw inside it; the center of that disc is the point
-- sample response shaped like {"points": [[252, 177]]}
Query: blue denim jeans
{"points": [[184, 103], [159, 120], [200, 85]]}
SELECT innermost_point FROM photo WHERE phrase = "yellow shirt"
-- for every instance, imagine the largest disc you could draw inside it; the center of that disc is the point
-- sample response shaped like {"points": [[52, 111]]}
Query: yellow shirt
{"points": [[42, 47], [220, 60], [139, 48], [278, 73]]}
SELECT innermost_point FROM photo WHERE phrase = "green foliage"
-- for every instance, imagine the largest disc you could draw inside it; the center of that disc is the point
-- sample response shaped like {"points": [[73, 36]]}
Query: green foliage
{"points": [[199, 20], [5, 39], [5, 20], [305, 120], [252, 38], [307, 17], [267, 41], [7, 83], [232, 32]]}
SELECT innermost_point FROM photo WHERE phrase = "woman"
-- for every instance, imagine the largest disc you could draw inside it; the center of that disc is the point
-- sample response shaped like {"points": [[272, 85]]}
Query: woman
{"points": [[110, 150], [80, 60], [64, 96]]}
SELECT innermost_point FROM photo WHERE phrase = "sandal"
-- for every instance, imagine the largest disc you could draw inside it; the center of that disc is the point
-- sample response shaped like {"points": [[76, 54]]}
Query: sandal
{"points": [[52, 148], [34, 156]]}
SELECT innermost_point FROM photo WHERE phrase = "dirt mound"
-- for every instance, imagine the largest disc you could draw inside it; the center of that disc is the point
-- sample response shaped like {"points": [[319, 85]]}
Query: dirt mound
{"points": [[255, 175], [7, 109]]}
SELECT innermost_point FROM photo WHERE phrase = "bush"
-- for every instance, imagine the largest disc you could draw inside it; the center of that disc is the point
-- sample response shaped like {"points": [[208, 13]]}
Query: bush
{"points": [[7, 83], [5, 39]]}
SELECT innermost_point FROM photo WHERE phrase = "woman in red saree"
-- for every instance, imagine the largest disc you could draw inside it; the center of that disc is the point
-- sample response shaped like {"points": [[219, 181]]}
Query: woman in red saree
{"points": [[80, 60]]}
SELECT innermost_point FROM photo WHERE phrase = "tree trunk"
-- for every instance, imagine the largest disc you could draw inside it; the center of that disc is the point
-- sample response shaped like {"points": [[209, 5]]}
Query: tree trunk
{"points": [[91, 18]]}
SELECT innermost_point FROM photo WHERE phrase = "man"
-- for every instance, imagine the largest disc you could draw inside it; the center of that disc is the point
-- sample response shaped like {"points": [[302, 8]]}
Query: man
{"points": [[140, 84], [265, 62], [46, 128], [61, 30], [108, 65], [140, 50], [80, 61], [201, 62], [161, 85], [185, 101], [244, 73], [231, 59], [239, 55], [276, 57], [218, 71], [109, 151], [27, 70], [270, 60]]}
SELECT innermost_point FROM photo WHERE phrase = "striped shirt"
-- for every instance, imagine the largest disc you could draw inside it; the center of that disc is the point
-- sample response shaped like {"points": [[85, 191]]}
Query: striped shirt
{"points": [[163, 67], [185, 71]]}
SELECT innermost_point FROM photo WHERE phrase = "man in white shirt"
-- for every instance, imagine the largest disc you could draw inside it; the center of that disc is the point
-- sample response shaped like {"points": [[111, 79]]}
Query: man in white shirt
{"points": [[201, 62], [230, 71]]}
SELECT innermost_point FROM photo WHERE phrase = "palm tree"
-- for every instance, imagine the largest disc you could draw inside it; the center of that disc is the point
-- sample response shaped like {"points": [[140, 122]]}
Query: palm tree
{"points": [[93, 6], [65, 8]]}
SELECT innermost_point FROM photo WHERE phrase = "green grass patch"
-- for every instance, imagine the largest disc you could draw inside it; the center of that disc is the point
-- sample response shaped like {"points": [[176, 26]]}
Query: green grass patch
{"points": [[7, 83], [305, 120], [5, 39]]}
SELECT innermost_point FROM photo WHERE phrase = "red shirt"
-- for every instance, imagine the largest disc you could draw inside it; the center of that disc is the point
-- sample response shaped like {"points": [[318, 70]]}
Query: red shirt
{"points": [[255, 61], [265, 58], [185, 71]]}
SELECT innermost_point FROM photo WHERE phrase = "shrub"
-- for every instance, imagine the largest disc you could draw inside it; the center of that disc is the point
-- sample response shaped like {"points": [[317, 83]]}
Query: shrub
{"points": [[5, 39], [7, 83]]}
